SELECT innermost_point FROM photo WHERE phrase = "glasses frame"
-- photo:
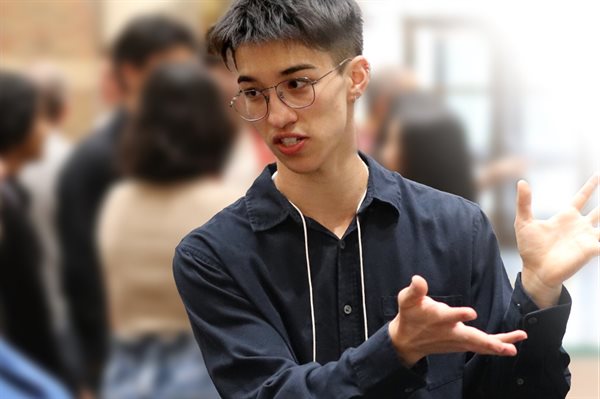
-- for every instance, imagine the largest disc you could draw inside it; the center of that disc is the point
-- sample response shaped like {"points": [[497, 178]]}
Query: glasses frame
{"points": [[267, 97]]}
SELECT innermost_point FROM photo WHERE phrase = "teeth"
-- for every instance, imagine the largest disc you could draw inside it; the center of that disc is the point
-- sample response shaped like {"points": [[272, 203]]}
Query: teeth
{"points": [[289, 141]]}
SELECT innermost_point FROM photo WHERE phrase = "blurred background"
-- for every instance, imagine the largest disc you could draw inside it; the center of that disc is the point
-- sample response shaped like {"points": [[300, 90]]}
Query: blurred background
{"points": [[514, 85]]}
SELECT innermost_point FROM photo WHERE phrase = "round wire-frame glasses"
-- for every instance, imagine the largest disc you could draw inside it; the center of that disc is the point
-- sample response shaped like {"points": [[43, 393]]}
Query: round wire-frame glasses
{"points": [[253, 104]]}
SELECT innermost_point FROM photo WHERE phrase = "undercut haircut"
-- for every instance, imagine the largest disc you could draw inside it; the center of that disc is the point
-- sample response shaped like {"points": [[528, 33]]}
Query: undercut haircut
{"points": [[333, 26]]}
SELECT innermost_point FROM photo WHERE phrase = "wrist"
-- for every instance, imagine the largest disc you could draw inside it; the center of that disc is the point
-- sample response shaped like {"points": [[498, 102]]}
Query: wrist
{"points": [[543, 294], [409, 358]]}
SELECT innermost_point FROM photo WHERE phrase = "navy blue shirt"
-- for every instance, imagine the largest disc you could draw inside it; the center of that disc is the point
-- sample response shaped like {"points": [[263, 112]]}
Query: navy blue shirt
{"points": [[243, 279]]}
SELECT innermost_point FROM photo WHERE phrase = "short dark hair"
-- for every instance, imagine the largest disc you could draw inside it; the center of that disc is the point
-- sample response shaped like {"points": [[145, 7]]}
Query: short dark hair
{"points": [[334, 26], [182, 129], [18, 109], [145, 36]]}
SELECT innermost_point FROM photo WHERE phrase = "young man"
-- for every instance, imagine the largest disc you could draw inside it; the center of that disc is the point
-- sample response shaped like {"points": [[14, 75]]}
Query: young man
{"points": [[297, 290], [144, 43]]}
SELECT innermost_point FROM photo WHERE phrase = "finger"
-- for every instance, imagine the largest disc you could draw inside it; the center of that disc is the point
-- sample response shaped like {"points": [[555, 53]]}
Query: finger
{"points": [[414, 293], [477, 341], [524, 213], [594, 216], [455, 315], [585, 192], [512, 337]]}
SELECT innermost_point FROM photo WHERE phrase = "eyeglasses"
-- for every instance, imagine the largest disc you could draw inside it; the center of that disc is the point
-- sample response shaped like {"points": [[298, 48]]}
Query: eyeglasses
{"points": [[253, 104]]}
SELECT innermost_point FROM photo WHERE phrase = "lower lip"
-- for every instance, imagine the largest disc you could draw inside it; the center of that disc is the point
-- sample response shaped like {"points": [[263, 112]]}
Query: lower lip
{"points": [[291, 150]]}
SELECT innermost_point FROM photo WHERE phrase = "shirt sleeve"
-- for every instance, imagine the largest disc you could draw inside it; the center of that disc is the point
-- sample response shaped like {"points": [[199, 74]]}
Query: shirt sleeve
{"points": [[540, 369], [248, 358]]}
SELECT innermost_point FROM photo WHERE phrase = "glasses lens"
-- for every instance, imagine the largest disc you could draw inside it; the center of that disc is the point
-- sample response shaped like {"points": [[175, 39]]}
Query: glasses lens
{"points": [[296, 93], [250, 104]]}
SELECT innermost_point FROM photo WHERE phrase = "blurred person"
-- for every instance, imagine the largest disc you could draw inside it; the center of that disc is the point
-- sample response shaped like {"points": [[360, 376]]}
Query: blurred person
{"points": [[40, 178], [385, 85], [173, 156], [426, 143], [334, 277], [19, 377], [25, 320], [142, 45]]}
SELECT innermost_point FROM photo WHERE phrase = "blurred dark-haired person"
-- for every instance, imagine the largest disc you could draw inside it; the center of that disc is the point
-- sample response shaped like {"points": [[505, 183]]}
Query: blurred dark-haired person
{"points": [[386, 83], [334, 277], [143, 44], [25, 315], [173, 155], [423, 141]]}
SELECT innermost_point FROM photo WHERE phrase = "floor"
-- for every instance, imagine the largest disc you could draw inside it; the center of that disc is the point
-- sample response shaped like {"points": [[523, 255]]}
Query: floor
{"points": [[586, 378]]}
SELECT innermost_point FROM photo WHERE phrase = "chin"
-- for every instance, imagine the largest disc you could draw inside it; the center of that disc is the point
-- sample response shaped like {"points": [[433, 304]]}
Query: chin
{"points": [[300, 165]]}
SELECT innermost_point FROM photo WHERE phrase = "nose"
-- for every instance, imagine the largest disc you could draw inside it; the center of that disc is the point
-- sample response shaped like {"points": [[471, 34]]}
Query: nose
{"points": [[280, 115]]}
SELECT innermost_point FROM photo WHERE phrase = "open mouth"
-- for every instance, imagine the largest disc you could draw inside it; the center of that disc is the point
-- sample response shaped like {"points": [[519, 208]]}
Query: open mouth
{"points": [[290, 145], [289, 141]]}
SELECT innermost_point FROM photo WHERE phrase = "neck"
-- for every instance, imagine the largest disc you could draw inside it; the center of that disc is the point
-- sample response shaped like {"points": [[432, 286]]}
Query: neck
{"points": [[329, 196]]}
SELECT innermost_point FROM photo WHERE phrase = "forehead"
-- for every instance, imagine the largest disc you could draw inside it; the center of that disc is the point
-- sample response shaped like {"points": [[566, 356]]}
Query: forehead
{"points": [[266, 61]]}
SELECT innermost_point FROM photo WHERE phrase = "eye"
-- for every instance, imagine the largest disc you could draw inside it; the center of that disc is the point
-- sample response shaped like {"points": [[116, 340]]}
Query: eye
{"points": [[251, 94], [297, 84]]}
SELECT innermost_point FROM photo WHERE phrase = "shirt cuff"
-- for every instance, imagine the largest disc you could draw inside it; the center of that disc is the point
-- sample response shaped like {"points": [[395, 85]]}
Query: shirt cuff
{"points": [[376, 360], [544, 327]]}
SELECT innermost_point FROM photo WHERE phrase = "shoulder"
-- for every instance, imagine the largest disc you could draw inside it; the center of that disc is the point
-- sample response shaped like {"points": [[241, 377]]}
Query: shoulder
{"points": [[92, 158], [122, 192], [218, 236], [423, 204], [117, 206]]}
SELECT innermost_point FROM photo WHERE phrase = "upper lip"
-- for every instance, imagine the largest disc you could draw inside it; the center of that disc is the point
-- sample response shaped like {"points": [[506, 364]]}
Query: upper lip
{"points": [[277, 139]]}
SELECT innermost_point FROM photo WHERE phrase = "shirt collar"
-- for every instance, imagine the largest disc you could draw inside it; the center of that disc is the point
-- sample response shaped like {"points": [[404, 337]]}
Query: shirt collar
{"points": [[267, 206]]}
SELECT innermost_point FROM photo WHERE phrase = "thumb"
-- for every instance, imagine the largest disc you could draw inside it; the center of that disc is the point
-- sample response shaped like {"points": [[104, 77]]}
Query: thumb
{"points": [[524, 213], [414, 293]]}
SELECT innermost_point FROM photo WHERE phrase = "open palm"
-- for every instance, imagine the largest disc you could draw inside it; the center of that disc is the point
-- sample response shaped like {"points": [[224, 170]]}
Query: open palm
{"points": [[555, 249]]}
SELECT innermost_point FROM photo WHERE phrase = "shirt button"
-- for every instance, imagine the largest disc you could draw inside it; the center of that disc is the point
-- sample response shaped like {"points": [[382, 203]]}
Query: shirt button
{"points": [[342, 244], [347, 309], [520, 381], [532, 320]]}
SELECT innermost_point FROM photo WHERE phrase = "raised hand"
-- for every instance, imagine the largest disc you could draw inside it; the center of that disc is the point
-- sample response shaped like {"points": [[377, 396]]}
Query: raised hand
{"points": [[555, 249], [423, 327]]}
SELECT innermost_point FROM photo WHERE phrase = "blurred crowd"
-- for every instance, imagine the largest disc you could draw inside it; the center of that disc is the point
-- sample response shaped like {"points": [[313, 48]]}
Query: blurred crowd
{"points": [[87, 230]]}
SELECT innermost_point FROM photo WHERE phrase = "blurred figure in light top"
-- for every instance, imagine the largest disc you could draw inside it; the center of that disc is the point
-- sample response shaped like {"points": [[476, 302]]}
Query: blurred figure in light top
{"points": [[172, 156]]}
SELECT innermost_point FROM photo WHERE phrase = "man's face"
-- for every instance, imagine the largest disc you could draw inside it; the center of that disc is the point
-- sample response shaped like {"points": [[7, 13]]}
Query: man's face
{"points": [[324, 131]]}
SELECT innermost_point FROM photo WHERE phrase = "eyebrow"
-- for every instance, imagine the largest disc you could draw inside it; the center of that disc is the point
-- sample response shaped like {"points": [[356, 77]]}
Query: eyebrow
{"points": [[285, 72]]}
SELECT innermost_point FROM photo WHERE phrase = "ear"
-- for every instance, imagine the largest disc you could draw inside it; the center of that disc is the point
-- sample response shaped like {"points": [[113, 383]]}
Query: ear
{"points": [[359, 72]]}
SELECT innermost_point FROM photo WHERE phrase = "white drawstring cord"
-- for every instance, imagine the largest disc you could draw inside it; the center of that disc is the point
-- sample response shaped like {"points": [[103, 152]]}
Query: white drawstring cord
{"points": [[362, 271], [310, 287]]}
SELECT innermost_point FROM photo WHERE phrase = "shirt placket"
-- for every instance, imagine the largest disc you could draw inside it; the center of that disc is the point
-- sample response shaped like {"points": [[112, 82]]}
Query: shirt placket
{"points": [[349, 303]]}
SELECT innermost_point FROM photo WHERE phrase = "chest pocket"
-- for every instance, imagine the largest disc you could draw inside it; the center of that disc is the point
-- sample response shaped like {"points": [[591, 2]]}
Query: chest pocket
{"points": [[389, 304]]}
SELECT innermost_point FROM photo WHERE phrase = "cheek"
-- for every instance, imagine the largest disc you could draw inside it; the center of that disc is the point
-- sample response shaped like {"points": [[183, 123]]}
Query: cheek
{"points": [[331, 117], [35, 143]]}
